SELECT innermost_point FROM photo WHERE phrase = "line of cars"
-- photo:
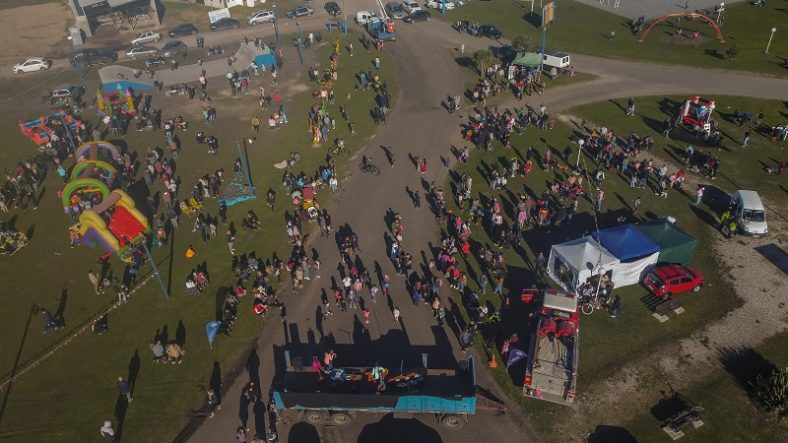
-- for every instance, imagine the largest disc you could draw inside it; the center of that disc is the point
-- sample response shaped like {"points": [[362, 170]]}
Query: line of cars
{"points": [[408, 11]]}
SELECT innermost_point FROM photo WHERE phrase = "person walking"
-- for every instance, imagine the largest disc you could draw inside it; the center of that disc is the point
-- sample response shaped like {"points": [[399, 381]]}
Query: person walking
{"points": [[377, 62], [746, 138], [212, 401], [631, 106], [699, 195], [396, 314], [635, 205], [240, 434], [541, 264], [94, 281], [600, 197], [230, 238], [108, 432], [255, 124], [615, 307], [124, 387]]}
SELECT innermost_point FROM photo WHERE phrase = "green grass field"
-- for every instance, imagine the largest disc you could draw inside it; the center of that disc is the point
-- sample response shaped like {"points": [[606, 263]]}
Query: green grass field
{"points": [[69, 395], [606, 343], [585, 29]]}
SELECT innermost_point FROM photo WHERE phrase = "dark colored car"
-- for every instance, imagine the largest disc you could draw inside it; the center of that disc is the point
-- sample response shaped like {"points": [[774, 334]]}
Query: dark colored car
{"points": [[490, 31], [225, 23], [94, 56], [300, 11], [417, 16], [172, 48], [333, 9], [182, 30], [671, 279]]}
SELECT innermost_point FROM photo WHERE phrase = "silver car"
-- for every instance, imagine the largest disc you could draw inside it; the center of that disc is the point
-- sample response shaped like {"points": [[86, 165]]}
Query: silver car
{"points": [[395, 10], [140, 51]]}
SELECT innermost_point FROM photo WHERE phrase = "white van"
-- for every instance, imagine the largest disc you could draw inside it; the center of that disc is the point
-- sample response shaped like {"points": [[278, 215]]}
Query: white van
{"points": [[555, 59], [362, 17], [749, 214]]}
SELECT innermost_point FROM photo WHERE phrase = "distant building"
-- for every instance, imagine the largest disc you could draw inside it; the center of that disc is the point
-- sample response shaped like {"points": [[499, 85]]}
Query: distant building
{"points": [[90, 14]]}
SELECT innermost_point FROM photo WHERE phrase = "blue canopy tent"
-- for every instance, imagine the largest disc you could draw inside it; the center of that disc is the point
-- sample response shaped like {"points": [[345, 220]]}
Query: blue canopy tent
{"points": [[638, 254], [626, 242]]}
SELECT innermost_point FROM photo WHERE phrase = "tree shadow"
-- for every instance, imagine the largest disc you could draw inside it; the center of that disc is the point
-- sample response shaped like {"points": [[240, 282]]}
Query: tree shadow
{"points": [[303, 433], [745, 365], [391, 430]]}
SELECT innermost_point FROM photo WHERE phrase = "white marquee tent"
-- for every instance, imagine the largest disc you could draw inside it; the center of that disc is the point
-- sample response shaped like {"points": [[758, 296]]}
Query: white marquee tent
{"points": [[570, 264]]}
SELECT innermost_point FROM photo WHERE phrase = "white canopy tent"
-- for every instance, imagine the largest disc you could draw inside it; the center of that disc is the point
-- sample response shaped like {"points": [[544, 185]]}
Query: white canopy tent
{"points": [[570, 264]]}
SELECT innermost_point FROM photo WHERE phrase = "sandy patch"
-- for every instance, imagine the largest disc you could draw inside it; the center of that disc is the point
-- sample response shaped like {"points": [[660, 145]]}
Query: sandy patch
{"points": [[39, 30]]}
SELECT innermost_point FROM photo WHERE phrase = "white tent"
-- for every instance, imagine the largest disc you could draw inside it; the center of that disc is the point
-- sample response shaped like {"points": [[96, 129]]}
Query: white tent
{"points": [[570, 264]]}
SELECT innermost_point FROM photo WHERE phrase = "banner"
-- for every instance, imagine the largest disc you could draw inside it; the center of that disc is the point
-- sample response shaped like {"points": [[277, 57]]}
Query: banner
{"points": [[213, 16]]}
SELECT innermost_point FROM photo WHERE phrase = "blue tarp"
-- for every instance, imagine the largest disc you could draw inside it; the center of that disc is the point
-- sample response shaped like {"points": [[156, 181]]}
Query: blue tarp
{"points": [[123, 85], [626, 242]]}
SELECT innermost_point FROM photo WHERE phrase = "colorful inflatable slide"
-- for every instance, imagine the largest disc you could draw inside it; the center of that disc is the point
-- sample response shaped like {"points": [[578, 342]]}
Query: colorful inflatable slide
{"points": [[114, 224], [40, 129]]}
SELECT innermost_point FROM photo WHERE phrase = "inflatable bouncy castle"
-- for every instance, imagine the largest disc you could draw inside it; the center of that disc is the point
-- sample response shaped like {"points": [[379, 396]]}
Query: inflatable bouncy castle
{"points": [[106, 218]]}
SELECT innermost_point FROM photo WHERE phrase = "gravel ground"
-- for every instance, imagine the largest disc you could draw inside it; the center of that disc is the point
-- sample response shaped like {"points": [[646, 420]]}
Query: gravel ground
{"points": [[635, 387]]}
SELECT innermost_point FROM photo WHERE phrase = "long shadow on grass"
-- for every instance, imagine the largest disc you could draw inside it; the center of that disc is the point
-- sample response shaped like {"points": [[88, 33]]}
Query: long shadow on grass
{"points": [[33, 311], [745, 365]]}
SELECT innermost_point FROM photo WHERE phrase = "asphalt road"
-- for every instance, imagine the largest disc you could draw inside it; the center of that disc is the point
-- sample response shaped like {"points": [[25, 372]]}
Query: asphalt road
{"points": [[419, 125]]}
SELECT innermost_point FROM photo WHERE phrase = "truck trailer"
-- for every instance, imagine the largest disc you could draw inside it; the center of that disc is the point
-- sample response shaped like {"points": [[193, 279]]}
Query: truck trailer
{"points": [[336, 395]]}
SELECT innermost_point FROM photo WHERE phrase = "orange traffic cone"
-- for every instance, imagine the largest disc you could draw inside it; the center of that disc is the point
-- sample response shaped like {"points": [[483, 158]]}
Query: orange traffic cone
{"points": [[493, 363]]}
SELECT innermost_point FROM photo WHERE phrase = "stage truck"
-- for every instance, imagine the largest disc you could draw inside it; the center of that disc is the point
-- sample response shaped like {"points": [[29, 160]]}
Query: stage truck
{"points": [[336, 395]]}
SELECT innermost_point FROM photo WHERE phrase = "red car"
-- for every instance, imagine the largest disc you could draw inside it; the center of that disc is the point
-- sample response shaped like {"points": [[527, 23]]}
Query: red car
{"points": [[667, 280]]}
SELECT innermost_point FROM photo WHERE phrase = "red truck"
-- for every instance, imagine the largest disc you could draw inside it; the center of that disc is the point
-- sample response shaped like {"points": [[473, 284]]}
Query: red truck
{"points": [[551, 373]]}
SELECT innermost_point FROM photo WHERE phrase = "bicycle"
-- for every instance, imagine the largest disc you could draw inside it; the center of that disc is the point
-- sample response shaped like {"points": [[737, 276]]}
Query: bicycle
{"points": [[588, 306], [367, 167]]}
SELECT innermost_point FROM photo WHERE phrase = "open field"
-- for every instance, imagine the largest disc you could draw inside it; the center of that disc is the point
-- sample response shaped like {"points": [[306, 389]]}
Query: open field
{"points": [[41, 404], [584, 29]]}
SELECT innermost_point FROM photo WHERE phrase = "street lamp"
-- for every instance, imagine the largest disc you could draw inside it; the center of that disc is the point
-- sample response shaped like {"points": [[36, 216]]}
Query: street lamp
{"points": [[580, 142], [770, 40]]}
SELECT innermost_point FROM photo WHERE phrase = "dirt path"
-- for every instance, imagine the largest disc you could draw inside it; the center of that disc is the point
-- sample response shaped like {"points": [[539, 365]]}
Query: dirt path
{"points": [[635, 387], [31, 31]]}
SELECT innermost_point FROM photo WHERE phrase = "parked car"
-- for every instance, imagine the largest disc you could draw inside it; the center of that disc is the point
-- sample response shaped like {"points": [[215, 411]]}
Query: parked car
{"points": [[363, 17], [333, 9], [146, 37], [155, 60], [749, 213], [300, 11], [438, 4], [225, 23], [140, 51], [671, 279], [67, 90], [94, 56], [32, 64], [65, 95], [411, 6], [261, 17], [417, 16], [490, 31], [172, 48], [395, 10], [182, 30]]}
